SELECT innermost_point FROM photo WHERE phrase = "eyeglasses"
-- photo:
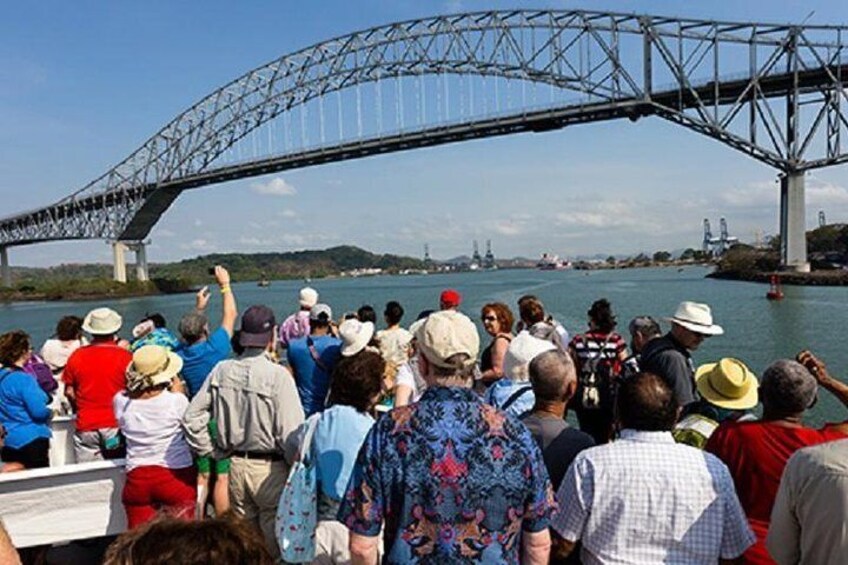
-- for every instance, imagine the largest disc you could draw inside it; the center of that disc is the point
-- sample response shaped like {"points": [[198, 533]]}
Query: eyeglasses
{"points": [[490, 318]]}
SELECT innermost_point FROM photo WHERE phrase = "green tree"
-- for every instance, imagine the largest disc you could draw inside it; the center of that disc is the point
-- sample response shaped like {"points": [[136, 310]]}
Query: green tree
{"points": [[662, 257], [611, 260]]}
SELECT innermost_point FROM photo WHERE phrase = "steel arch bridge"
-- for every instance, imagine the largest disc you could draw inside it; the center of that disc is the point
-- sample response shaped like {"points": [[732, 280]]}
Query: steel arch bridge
{"points": [[773, 92]]}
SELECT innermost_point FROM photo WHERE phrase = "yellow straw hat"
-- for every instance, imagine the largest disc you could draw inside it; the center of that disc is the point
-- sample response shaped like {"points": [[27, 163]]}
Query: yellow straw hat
{"points": [[728, 384]]}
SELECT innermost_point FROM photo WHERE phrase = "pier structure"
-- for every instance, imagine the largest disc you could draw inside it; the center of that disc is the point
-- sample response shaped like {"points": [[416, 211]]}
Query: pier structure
{"points": [[5, 271], [119, 263]]}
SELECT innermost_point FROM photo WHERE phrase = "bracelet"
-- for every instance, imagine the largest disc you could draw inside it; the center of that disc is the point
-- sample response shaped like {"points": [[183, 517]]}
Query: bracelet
{"points": [[225, 289]]}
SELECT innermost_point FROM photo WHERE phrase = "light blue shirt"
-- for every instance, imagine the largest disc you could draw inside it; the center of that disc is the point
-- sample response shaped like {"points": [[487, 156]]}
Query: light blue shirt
{"points": [[500, 392], [336, 444]]}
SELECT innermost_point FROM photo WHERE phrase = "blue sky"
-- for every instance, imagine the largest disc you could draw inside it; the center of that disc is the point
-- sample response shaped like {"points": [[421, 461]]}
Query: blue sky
{"points": [[82, 84]]}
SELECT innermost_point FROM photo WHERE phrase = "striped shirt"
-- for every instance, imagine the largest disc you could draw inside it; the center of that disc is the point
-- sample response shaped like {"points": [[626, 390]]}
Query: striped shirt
{"points": [[645, 499]]}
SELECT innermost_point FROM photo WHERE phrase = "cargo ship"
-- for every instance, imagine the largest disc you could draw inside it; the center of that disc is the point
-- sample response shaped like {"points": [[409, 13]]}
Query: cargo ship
{"points": [[550, 262]]}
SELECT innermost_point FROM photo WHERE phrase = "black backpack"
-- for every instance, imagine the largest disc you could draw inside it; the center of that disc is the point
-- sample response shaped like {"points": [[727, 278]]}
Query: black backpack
{"points": [[596, 376]]}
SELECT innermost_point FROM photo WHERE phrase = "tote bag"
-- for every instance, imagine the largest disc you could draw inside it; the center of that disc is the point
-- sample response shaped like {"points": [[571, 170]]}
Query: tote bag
{"points": [[297, 512]]}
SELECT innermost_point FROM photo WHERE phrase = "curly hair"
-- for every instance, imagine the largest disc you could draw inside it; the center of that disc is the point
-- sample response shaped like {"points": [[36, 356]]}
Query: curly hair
{"points": [[13, 346], [357, 380], [601, 314], [227, 539], [502, 313]]}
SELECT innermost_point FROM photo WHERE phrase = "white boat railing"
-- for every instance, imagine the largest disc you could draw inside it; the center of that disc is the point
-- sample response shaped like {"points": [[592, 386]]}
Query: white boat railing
{"points": [[60, 504]]}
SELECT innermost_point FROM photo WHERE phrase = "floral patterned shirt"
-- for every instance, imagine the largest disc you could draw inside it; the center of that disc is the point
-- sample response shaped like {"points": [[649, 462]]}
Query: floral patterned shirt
{"points": [[455, 480]]}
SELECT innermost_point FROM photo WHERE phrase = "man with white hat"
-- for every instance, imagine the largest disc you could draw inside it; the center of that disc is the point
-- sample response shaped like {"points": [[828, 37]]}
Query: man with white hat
{"points": [[453, 478], [669, 356], [93, 376], [297, 324]]}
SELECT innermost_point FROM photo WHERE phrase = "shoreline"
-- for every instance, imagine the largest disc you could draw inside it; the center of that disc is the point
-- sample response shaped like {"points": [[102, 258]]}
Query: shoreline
{"points": [[788, 278]]}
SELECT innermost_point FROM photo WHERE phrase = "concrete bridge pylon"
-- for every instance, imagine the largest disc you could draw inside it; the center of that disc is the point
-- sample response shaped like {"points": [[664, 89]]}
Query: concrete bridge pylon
{"points": [[793, 235]]}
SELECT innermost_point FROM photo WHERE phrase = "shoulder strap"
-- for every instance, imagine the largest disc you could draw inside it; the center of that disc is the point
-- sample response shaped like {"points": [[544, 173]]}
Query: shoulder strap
{"points": [[306, 448], [315, 356], [513, 398]]}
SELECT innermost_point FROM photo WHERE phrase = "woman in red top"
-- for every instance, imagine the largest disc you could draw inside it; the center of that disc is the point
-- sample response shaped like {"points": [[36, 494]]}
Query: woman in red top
{"points": [[756, 452]]}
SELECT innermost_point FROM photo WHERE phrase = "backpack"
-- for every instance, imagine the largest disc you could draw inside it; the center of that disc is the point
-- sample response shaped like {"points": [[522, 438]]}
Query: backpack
{"points": [[42, 372], [597, 375]]}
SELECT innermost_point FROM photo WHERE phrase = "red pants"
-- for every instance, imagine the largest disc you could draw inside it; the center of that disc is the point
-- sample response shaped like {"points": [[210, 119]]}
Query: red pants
{"points": [[153, 489]]}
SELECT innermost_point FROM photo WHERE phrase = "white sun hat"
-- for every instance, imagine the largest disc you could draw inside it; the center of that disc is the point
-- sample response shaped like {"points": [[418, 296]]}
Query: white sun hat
{"points": [[521, 351], [696, 317], [355, 336], [102, 321]]}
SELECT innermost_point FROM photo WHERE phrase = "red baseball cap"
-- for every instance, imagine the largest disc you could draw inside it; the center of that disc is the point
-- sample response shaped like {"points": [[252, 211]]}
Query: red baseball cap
{"points": [[450, 298]]}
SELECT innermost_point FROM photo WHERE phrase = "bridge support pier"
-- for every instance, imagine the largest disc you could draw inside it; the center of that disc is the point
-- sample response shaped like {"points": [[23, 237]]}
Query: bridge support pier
{"points": [[5, 272], [119, 272], [141, 271], [793, 236]]}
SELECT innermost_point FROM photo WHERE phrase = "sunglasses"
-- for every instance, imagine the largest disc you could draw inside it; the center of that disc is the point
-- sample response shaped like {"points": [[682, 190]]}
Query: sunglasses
{"points": [[490, 318]]}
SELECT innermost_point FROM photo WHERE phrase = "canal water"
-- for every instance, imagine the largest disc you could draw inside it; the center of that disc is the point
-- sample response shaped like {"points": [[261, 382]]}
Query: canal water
{"points": [[757, 331]]}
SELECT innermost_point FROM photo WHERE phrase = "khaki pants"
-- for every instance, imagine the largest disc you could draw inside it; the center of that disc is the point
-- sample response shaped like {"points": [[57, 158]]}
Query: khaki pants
{"points": [[331, 543], [255, 488]]}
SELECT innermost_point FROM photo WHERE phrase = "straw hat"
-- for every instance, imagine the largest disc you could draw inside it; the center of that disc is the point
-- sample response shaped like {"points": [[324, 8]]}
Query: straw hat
{"points": [[696, 317], [102, 321], [728, 384], [152, 365], [355, 336]]}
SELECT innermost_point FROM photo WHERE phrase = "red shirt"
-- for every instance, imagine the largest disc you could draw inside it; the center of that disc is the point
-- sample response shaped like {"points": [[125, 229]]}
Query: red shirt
{"points": [[756, 453], [97, 373]]}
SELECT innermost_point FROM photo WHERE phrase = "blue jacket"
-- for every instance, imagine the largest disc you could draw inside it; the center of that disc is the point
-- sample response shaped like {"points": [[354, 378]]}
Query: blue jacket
{"points": [[24, 409]]}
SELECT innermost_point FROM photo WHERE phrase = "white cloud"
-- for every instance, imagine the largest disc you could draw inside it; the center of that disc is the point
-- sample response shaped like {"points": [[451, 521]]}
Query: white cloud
{"points": [[198, 244], [288, 213], [600, 215], [509, 228], [825, 193], [276, 186]]}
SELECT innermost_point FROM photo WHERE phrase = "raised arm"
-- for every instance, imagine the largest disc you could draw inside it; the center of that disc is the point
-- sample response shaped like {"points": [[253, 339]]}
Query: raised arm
{"points": [[228, 306], [819, 370]]}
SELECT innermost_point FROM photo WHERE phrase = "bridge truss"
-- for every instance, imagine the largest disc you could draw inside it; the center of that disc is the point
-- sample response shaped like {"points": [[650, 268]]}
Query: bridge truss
{"points": [[773, 92]]}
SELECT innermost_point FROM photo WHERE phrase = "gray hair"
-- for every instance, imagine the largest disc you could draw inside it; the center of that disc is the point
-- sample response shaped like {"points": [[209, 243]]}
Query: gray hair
{"points": [[787, 388], [645, 326], [550, 374], [193, 326]]}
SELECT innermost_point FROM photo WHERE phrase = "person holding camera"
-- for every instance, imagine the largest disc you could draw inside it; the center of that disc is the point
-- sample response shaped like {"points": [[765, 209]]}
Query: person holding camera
{"points": [[160, 468], [202, 349], [756, 452]]}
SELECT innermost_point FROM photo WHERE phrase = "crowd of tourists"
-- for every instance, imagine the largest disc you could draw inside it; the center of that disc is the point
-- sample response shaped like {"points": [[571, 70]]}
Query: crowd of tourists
{"points": [[326, 440]]}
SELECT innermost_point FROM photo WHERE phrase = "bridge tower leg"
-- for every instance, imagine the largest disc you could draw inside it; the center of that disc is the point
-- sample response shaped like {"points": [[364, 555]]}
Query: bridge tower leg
{"points": [[119, 261], [141, 271], [5, 272], [793, 237]]}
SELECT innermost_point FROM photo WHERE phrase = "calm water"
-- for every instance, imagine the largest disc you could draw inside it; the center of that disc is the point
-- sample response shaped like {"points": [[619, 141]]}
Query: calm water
{"points": [[756, 330]]}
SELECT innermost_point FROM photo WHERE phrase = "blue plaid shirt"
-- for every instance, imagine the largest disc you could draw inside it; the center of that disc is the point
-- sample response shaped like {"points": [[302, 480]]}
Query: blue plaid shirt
{"points": [[454, 479]]}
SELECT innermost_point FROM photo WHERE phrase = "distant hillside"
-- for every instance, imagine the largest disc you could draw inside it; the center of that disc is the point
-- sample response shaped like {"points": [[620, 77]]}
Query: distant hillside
{"points": [[297, 264]]}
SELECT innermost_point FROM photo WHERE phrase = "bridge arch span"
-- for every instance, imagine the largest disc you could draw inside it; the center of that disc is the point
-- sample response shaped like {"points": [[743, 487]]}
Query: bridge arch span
{"points": [[773, 91]]}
